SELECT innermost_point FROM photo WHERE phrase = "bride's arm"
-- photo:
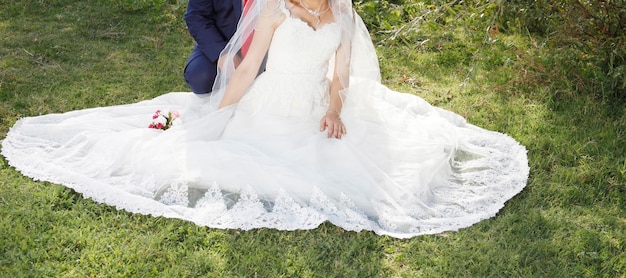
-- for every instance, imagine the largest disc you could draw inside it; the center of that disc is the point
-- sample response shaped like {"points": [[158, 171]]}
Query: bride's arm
{"points": [[247, 71], [331, 119]]}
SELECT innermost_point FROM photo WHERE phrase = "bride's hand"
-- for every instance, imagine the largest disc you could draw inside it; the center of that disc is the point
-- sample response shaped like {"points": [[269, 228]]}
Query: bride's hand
{"points": [[332, 122]]}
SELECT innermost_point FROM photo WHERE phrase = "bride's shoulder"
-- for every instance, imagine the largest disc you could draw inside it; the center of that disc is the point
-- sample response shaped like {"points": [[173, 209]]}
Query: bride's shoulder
{"points": [[275, 5], [272, 13]]}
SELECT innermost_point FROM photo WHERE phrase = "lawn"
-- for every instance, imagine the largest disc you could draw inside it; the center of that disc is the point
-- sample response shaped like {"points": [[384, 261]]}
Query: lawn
{"points": [[570, 221]]}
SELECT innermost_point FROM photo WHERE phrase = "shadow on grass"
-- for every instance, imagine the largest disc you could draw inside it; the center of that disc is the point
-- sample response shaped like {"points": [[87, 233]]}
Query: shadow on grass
{"points": [[574, 207], [327, 249]]}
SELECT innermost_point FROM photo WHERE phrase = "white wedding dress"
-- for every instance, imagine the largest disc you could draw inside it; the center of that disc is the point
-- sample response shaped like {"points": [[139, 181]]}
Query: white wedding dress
{"points": [[404, 168]]}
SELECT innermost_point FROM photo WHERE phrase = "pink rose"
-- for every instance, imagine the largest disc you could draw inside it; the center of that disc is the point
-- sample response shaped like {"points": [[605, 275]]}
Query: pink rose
{"points": [[156, 114], [174, 114]]}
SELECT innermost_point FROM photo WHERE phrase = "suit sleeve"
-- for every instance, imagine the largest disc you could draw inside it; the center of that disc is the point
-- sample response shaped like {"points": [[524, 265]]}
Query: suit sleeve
{"points": [[201, 22]]}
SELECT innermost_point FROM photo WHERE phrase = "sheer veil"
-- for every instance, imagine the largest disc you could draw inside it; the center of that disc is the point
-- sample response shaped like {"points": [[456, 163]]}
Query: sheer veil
{"points": [[355, 58]]}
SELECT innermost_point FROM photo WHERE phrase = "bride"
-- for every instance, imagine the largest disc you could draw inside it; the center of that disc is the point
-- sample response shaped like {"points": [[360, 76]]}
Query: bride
{"points": [[315, 137]]}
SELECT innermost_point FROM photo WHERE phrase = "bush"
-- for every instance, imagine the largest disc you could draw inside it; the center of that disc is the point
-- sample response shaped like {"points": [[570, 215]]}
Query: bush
{"points": [[585, 38]]}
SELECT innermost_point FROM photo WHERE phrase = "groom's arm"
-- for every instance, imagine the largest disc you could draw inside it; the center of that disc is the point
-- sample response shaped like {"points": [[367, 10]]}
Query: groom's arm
{"points": [[201, 18]]}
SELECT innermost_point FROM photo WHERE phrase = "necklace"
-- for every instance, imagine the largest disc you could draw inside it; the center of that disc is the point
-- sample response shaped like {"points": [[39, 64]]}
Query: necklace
{"points": [[315, 13]]}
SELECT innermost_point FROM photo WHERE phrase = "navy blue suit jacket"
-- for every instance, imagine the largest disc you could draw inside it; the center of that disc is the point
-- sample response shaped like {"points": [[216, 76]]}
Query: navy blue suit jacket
{"points": [[212, 24]]}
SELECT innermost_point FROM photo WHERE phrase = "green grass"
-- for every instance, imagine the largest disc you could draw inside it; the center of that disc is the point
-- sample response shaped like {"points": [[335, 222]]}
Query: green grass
{"points": [[61, 55]]}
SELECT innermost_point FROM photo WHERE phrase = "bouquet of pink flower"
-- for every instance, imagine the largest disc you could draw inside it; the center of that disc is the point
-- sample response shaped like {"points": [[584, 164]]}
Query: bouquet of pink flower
{"points": [[164, 120]]}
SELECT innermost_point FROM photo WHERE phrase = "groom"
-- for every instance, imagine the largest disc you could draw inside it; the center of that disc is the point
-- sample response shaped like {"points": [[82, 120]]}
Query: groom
{"points": [[211, 23]]}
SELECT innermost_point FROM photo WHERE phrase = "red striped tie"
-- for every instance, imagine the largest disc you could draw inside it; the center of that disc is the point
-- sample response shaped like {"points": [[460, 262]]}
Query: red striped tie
{"points": [[246, 44]]}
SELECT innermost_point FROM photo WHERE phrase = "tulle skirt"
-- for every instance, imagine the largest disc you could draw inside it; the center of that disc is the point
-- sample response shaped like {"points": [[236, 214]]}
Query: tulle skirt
{"points": [[404, 168]]}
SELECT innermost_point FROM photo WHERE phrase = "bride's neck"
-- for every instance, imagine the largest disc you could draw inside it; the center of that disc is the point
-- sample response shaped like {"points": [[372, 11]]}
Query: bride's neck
{"points": [[314, 4]]}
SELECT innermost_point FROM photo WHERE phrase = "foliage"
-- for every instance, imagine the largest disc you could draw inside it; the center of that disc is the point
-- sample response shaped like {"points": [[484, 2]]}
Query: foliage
{"points": [[590, 37]]}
